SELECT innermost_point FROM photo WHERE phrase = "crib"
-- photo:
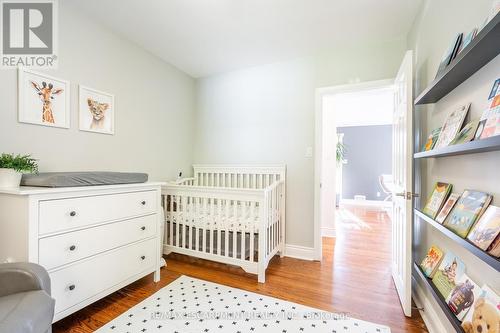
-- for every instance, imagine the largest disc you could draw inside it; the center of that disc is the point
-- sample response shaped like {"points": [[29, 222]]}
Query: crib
{"points": [[233, 214]]}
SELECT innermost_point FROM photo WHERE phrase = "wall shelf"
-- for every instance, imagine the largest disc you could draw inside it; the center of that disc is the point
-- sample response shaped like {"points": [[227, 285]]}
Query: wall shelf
{"points": [[473, 147], [483, 48], [485, 257], [439, 298]]}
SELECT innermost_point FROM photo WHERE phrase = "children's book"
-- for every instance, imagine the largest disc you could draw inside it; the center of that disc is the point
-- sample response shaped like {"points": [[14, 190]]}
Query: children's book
{"points": [[431, 140], [452, 126], [484, 315], [488, 123], [494, 248], [437, 198], [492, 119], [487, 228], [447, 207], [450, 54], [468, 209], [466, 134], [467, 39], [431, 261], [446, 276], [463, 296]]}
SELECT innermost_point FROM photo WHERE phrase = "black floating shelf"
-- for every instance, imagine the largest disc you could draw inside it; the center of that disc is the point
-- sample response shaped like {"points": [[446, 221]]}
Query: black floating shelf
{"points": [[473, 57], [484, 256], [439, 298], [473, 147]]}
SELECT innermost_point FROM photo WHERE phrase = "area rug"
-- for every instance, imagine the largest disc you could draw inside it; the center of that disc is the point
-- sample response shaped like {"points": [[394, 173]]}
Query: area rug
{"points": [[191, 305]]}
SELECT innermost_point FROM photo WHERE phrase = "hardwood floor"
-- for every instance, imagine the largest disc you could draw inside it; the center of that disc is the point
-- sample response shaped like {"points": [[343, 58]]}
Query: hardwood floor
{"points": [[353, 278]]}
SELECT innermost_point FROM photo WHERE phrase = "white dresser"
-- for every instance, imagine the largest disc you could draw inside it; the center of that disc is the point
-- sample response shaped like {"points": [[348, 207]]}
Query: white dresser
{"points": [[92, 240]]}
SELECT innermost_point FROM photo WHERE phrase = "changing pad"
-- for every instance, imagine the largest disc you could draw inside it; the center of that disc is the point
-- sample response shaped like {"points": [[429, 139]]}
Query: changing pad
{"points": [[74, 179]]}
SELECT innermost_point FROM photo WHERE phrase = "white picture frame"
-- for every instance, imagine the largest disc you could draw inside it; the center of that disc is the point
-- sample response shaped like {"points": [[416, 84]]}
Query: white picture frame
{"points": [[43, 99], [96, 111]]}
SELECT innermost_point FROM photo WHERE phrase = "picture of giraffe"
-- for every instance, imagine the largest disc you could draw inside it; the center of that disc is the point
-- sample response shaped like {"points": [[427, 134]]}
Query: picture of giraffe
{"points": [[43, 100], [46, 93], [97, 112]]}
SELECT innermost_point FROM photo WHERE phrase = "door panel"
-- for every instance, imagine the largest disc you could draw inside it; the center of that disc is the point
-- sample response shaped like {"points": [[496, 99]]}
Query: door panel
{"points": [[402, 172]]}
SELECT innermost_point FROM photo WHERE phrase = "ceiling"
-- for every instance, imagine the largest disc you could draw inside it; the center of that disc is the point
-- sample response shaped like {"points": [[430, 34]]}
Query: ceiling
{"points": [[205, 37]]}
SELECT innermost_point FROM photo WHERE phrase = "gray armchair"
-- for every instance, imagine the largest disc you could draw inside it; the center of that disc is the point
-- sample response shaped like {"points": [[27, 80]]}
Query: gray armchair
{"points": [[25, 302]]}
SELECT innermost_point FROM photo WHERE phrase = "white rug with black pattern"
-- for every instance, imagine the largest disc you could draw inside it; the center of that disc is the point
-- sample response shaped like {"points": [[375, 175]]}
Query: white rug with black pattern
{"points": [[191, 305]]}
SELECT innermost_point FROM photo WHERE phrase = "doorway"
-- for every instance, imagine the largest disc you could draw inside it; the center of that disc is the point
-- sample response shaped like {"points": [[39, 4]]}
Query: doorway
{"points": [[356, 149]]}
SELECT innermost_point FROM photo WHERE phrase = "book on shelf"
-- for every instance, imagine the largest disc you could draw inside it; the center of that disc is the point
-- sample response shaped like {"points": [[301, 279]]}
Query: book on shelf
{"points": [[489, 124], [494, 248], [447, 207], [484, 315], [462, 296], [436, 199], [450, 54], [446, 276], [469, 207], [467, 39], [452, 126], [431, 139], [487, 228], [466, 134], [431, 261]]}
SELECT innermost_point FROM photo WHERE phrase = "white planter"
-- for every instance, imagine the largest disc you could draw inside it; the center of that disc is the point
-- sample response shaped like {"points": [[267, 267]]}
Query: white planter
{"points": [[10, 178]]}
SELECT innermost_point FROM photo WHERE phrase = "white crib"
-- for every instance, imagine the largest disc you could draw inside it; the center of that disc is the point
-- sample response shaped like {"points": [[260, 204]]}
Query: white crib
{"points": [[232, 214]]}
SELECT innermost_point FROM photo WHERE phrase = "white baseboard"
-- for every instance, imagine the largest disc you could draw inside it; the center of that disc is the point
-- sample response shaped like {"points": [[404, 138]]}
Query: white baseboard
{"points": [[429, 314], [328, 232], [299, 252]]}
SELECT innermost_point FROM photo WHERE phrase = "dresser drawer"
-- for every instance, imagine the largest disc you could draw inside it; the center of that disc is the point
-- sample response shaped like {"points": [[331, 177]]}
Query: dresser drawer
{"points": [[78, 282], [62, 249], [63, 214]]}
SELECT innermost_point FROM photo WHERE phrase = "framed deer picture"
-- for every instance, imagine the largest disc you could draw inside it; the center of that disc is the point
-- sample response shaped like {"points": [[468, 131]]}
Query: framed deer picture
{"points": [[97, 111], [43, 100]]}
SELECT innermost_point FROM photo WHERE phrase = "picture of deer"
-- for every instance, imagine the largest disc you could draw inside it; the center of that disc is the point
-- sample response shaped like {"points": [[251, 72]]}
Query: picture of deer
{"points": [[98, 112], [46, 93]]}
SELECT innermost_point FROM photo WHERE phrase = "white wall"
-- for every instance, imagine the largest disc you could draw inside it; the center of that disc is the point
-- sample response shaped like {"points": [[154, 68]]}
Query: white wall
{"points": [[265, 114], [434, 30], [154, 107]]}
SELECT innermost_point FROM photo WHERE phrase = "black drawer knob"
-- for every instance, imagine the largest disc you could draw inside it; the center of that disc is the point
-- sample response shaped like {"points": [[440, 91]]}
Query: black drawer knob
{"points": [[72, 248], [143, 257], [143, 203], [143, 228], [72, 213], [72, 287]]}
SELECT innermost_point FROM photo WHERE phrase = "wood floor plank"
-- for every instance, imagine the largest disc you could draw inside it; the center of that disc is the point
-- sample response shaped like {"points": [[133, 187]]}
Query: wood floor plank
{"points": [[353, 278]]}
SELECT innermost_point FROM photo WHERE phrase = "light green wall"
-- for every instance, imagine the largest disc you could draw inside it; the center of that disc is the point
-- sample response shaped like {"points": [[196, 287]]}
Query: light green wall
{"points": [[154, 107], [433, 31], [265, 114]]}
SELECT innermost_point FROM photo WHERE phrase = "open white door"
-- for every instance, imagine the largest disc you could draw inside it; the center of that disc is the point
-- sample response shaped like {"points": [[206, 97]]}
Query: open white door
{"points": [[402, 159]]}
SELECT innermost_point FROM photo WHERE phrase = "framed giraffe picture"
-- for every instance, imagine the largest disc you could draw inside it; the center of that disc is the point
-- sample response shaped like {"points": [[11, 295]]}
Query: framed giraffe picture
{"points": [[97, 111], [42, 99]]}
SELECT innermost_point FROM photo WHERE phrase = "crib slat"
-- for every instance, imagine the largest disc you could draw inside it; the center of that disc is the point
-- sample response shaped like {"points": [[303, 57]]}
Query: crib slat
{"points": [[211, 228], [235, 227], [170, 240], [244, 223], [252, 230], [219, 219], [226, 229], [178, 221]]}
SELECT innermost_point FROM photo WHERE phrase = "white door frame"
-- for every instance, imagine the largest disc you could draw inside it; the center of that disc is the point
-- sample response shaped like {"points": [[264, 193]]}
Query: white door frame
{"points": [[318, 146]]}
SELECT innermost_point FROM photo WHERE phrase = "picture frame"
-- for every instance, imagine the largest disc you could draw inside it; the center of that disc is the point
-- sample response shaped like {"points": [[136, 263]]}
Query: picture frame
{"points": [[43, 99], [96, 111]]}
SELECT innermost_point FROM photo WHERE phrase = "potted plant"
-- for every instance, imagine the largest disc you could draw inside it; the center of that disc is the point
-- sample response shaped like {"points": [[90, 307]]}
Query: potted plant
{"points": [[12, 168]]}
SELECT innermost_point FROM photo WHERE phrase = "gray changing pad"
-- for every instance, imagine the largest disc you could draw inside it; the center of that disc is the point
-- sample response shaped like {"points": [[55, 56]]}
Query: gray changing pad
{"points": [[73, 179]]}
